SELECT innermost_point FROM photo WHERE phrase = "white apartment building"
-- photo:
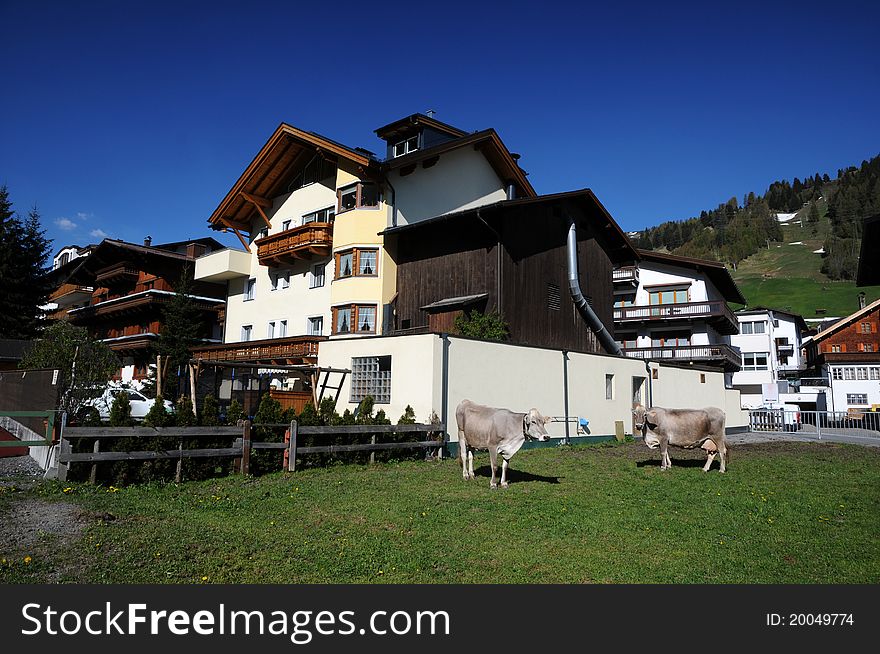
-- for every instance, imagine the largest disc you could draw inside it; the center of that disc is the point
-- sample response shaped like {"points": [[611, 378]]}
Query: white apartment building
{"points": [[672, 308], [770, 343]]}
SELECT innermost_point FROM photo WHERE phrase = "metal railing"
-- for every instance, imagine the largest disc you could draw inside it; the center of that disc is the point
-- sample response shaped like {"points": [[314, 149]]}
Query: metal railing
{"points": [[858, 423], [681, 310], [720, 352]]}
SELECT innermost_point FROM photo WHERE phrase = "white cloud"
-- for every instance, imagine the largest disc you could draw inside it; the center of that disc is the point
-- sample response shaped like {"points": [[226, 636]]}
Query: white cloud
{"points": [[98, 233], [83, 216], [65, 224]]}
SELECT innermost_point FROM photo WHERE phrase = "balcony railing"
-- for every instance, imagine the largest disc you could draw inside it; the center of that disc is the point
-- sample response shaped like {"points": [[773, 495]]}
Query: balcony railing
{"points": [[627, 274], [785, 350], [270, 350], [118, 273], [715, 311], [304, 242], [720, 354]]}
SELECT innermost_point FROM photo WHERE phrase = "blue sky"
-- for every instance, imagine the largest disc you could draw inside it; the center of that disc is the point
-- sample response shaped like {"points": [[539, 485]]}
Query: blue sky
{"points": [[132, 118]]}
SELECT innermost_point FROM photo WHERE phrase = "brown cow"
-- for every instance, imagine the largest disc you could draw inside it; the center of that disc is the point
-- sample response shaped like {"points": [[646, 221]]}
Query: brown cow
{"points": [[686, 428], [498, 430]]}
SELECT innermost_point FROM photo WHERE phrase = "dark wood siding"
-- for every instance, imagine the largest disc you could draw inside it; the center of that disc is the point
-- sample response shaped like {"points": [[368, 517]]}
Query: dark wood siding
{"points": [[458, 257]]}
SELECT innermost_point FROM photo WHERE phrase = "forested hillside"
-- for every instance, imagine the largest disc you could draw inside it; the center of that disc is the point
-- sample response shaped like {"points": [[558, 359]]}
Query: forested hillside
{"points": [[734, 230]]}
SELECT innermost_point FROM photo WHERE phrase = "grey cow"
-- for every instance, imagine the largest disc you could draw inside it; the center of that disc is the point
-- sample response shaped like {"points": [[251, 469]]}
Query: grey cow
{"points": [[687, 428], [498, 430]]}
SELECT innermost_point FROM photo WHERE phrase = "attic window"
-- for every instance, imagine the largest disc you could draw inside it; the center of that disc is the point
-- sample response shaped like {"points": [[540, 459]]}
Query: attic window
{"points": [[406, 146]]}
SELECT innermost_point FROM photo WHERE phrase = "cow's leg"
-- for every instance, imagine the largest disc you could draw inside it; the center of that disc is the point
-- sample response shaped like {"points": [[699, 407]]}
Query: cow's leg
{"points": [[709, 460], [504, 464], [664, 455], [722, 454], [471, 463], [463, 455], [493, 456]]}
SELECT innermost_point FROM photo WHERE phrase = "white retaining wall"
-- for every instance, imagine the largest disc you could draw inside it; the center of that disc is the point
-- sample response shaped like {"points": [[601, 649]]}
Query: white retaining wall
{"points": [[519, 378]]}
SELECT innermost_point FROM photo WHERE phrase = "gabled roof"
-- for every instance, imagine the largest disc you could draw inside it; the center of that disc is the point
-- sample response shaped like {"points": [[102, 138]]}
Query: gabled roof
{"points": [[717, 272], [111, 251], [585, 198], [286, 151], [489, 143], [844, 322], [391, 130], [798, 318]]}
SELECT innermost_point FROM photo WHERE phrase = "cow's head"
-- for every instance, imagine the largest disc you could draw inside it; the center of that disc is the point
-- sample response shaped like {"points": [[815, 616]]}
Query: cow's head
{"points": [[644, 418], [533, 426]]}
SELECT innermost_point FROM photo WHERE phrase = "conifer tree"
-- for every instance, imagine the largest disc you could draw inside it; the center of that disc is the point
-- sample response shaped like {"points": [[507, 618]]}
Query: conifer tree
{"points": [[24, 250]]}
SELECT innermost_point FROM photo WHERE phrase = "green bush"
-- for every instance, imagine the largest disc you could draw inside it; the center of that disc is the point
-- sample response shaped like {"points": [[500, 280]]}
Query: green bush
{"points": [[234, 413], [183, 412], [210, 412], [120, 411], [485, 326], [157, 416]]}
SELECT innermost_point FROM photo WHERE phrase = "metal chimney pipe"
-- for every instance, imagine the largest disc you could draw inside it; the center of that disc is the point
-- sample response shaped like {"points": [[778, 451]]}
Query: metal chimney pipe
{"points": [[583, 307]]}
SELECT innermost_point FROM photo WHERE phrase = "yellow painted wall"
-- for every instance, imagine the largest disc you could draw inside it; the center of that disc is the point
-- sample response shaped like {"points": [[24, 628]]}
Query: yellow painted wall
{"points": [[359, 226]]}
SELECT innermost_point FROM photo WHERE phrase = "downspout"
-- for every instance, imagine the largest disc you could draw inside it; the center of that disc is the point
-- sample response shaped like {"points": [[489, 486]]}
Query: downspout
{"points": [[580, 302]]}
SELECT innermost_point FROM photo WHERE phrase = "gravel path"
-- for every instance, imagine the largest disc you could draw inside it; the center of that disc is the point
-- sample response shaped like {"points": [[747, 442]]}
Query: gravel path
{"points": [[28, 523]]}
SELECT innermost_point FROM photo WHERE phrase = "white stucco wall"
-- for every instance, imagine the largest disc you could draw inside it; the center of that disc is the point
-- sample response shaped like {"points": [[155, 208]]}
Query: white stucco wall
{"points": [[296, 303], [461, 179], [519, 378]]}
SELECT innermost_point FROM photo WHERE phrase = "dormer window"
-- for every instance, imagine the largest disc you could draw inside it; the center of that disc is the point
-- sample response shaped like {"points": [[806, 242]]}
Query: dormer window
{"points": [[406, 146]]}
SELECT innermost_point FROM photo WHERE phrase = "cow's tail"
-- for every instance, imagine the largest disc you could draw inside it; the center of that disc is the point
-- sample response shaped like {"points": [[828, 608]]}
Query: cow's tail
{"points": [[727, 450]]}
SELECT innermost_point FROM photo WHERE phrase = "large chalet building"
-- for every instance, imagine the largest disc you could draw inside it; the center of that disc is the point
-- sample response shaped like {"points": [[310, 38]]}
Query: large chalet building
{"points": [[118, 290], [339, 243], [675, 309]]}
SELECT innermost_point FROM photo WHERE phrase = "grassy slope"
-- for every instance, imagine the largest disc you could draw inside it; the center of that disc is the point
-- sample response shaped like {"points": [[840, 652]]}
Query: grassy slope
{"points": [[787, 277], [784, 513]]}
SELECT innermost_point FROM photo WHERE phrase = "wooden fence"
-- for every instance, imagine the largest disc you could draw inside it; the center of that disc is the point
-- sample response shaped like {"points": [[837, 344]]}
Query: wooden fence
{"points": [[241, 447]]}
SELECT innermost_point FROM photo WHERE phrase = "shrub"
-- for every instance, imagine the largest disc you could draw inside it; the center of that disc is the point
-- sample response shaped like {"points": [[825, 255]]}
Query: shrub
{"points": [[485, 326], [120, 411], [183, 412], [408, 417], [157, 416], [210, 412], [234, 413]]}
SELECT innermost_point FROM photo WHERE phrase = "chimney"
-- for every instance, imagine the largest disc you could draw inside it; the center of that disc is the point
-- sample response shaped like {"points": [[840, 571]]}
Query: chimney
{"points": [[148, 241], [862, 300]]}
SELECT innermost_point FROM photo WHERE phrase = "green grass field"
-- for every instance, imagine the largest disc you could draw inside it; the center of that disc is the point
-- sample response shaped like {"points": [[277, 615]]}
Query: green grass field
{"points": [[784, 513], [787, 276]]}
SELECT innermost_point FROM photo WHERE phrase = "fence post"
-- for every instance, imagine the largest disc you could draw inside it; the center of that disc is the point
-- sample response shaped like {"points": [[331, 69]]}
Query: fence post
{"points": [[246, 448], [372, 452], [291, 450], [178, 473], [63, 448], [96, 448]]}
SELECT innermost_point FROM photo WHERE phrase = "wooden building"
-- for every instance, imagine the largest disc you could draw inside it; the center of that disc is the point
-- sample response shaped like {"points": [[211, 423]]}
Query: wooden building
{"points": [[129, 286], [510, 257]]}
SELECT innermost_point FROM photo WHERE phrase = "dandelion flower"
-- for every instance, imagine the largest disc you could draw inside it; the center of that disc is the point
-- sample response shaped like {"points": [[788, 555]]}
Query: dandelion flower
{"points": [[27, 560]]}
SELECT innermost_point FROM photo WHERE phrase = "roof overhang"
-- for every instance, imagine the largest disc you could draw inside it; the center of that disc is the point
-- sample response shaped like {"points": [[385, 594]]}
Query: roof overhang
{"points": [[399, 127], [616, 242], [717, 272], [286, 151], [492, 147]]}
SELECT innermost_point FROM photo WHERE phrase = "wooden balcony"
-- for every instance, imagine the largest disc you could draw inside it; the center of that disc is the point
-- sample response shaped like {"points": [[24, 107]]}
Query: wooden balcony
{"points": [[722, 355], [68, 294], [714, 312], [142, 303], [292, 245], [118, 273], [289, 350], [625, 279]]}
